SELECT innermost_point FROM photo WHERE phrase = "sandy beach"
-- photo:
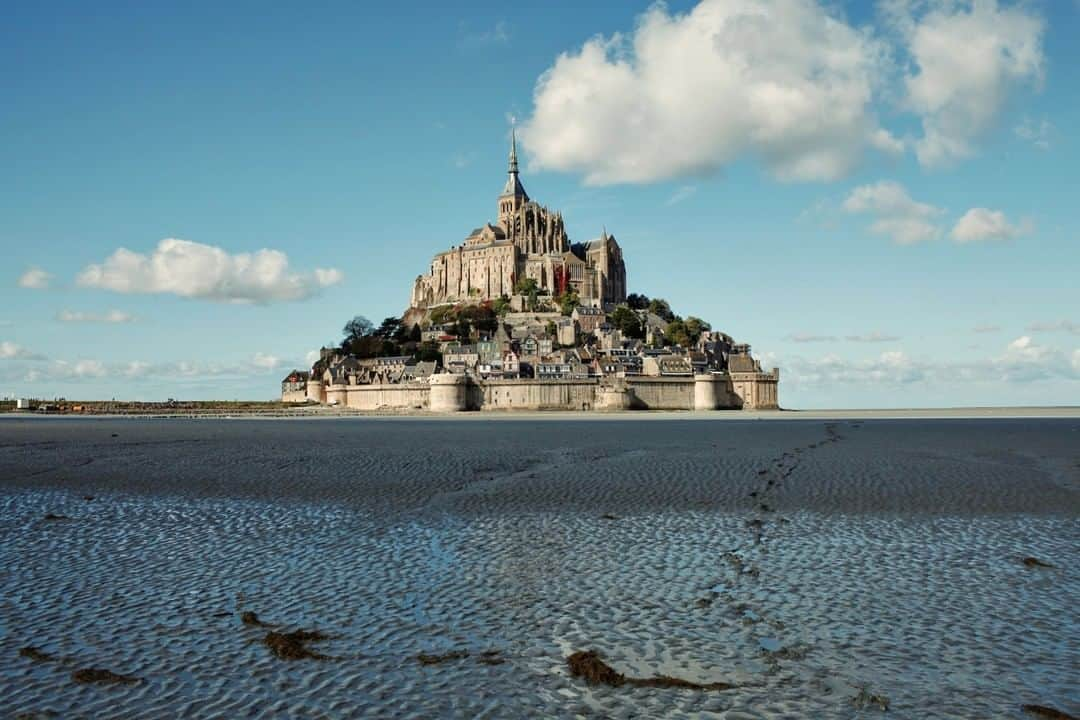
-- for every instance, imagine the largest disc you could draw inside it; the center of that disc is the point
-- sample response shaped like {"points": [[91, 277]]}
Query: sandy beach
{"points": [[822, 565]]}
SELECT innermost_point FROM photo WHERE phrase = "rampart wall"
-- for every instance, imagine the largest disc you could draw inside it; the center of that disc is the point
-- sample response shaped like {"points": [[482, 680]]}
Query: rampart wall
{"points": [[456, 393], [537, 395]]}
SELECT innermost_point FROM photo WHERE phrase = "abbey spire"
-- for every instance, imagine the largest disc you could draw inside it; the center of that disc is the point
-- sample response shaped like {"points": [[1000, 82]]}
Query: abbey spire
{"points": [[513, 187]]}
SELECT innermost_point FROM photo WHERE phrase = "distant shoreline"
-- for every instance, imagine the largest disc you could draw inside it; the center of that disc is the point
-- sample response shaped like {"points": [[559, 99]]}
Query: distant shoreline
{"points": [[322, 413]]}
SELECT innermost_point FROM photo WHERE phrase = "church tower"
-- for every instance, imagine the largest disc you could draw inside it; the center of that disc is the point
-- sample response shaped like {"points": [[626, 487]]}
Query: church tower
{"points": [[513, 195]]}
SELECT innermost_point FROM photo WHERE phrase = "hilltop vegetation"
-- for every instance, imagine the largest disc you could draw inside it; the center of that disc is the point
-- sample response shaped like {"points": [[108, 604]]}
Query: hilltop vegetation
{"points": [[468, 322]]}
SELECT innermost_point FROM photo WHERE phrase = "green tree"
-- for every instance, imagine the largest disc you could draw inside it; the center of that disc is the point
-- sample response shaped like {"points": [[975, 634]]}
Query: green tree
{"points": [[463, 329], [695, 326], [442, 314], [358, 339], [485, 319], [358, 327], [627, 321], [660, 307], [501, 305], [567, 302], [367, 346], [415, 334], [388, 327], [676, 333], [637, 302], [526, 286], [428, 351]]}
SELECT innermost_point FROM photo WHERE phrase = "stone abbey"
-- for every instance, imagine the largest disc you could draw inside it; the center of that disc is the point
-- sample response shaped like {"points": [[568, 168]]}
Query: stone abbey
{"points": [[518, 317], [527, 241]]}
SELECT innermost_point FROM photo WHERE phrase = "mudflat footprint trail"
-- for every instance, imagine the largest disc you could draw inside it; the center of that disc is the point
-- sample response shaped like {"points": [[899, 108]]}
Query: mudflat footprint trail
{"points": [[540, 568]]}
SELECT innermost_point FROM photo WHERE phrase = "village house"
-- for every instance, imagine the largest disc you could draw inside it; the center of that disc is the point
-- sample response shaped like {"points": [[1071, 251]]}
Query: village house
{"points": [[294, 387], [588, 318], [459, 358]]}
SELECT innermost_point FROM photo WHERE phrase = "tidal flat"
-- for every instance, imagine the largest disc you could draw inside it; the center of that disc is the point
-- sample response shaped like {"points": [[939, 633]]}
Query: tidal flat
{"points": [[422, 568]]}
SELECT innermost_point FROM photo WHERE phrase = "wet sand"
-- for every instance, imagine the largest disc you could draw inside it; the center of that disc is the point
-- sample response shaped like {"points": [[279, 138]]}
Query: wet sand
{"points": [[822, 567]]}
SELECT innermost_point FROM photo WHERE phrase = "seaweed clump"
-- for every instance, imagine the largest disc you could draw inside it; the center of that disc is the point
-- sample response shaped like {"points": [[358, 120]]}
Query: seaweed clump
{"points": [[35, 654], [100, 676], [1046, 712], [1032, 562], [588, 665], [867, 699], [294, 645], [249, 618], [491, 657], [430, 659]]}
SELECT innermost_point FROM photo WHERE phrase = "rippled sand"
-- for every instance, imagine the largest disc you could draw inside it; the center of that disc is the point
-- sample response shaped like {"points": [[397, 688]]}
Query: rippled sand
{"points": [[816, 565]]}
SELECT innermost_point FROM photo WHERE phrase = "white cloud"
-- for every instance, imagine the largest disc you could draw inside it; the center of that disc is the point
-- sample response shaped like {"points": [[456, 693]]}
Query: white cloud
{"points": [[193, 270], [15, 352], [886, 142], [11, 350], [88, 368], [37, 368], [1021, 361], [898, 216], [1067, 326], [681, 194], [874, 337], [265, 362], [784, 80], [1038, 134], [985, 328], [888, 367], [979, 224], [1025, 360], [810, 338], [499, 34], [1023, 347], [968, 55], [112, 316], [35, 279], [136, 368]]}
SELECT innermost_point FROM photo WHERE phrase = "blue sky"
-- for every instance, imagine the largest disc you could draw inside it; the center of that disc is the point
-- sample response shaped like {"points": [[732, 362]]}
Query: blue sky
{"points": [[879, 198]]}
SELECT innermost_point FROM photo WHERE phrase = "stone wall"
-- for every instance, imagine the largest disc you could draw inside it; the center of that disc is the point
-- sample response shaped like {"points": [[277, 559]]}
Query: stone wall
{"points": [[294, 395], [406, 396], [538, 395], [659, 393], [456, 393]]}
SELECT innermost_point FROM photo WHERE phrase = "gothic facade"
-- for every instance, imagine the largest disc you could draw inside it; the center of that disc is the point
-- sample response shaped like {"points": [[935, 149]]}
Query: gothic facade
{"points": [[528, 240]]}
